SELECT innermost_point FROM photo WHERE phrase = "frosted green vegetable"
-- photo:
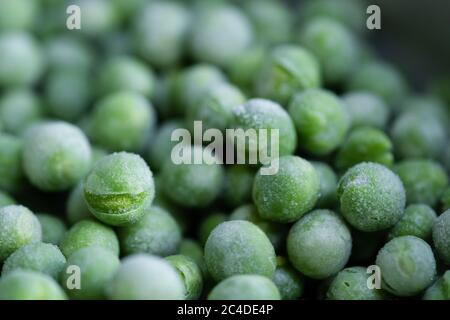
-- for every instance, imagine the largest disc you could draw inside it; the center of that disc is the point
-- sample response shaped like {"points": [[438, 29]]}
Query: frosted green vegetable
{"points": [[156, 233], [407, 266], [218, 34], [97, 268], [289, 282], [371, 196], [245, 287], [441, 236], [320, 119], [18, 227], [19, 108], [56, 155], [424, 180], [418, 220], [440, 289], [366, 109], [53, 228], [365, 144], [239, 247], [145, 277], [76, 206], [328, 185], [41, 257], [190, 273], [99, 16], [122, 121], [119, 188], [287, 70], [244, 66], [29, 285], [18, 14], [88, 233], [11, 173], [313, 254], [351, 284], [6, 199], [238, 185], [67, 52], [288, 194]]}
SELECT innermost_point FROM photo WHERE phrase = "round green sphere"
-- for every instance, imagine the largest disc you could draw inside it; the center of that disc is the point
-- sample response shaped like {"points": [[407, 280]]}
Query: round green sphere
{"points": [[366, 109], [245, 287], [418, 220], [441, 236], [289, 282], [190, 273], [18, 14], [53, 228]]}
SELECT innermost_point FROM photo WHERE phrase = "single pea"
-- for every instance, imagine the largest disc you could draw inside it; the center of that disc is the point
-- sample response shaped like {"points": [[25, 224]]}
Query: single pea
{"points": [[88, 233], [68, 93], [313, 254], [208, 224], [125, 73], [371, 196], [53, 228], [18, 227], [365, 144], [424, 180], [156, 233], [258, 114], [119, 188], [40, 257], [122, 121], [418, 220], [366, 109], [351, 284], [441, 236], [239, 247], [18, 14], [440, 289], [190, 273], [192, 185], [288, 69], [67, 52], [19, 108], [76, 206], [245, 287], [289, 282], [445, 199], [333, 45], [193, 250], [418, 135], [367, 77], [321, 120], [99, 16], [29, 285], [97, 267], [219, 33], [11, 172], [407, 266], [22, 60], [244, 66], [328, 185], [56, 155], [6, 199], [215, 108], [145, 277], [159, 32], [288, 194]]}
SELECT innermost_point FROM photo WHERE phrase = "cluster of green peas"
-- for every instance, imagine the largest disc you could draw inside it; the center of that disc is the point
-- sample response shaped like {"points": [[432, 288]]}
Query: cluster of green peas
{"points": [[363, 166]]}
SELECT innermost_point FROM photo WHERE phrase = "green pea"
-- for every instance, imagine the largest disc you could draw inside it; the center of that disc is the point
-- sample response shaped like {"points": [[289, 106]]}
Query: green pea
{"points": [[99, 16], [66, 52], [366, 109], [190, 273], [418, 220], [439, 290], [441, 236], [18, 14], [244, 66], [245, 287], [289, 282], [53, 228], [119, 188], [11, 172]]}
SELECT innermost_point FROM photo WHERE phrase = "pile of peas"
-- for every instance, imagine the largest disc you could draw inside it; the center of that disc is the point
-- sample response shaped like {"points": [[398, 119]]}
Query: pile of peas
{"points": [[87, 180]]}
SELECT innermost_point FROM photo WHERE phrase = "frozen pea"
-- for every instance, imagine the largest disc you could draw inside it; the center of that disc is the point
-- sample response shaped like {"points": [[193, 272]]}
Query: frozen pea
{"points": [[66, 52], [56, 155], [418, 220], [190, 273], [41, 257], [287, 70], [244, 66], [245, 287], [11, 173], [365, 144], [208, 224], [424, 180], [288, 194], [441, 236], [238, 185], [328, 185], [119, 188], [18, 227], [320, 119], [88, 233], [352, 284], [313, 254], [407, 266], [440, 289], [76, 206], [366, 109], [156, 233], [6, 199], [145, 277], [53, 228], [122, 121], [99, 16], [371, 196], [29, 285], [239, 247], [289, 282], [97, 268], [18, 14]]}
